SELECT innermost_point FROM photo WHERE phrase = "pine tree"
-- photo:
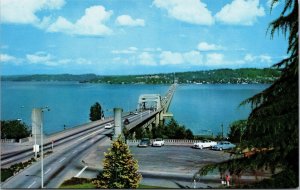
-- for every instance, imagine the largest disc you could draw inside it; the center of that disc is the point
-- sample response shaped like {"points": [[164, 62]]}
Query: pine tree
{"points": [[273, 123], [96, 112], [120, 169]]}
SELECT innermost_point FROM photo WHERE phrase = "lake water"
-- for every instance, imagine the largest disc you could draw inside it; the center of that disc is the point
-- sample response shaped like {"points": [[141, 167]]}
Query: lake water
{"points": [[198, 107]]}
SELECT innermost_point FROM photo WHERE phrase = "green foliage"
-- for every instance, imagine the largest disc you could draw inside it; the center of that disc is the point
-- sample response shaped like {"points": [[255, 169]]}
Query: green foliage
{"points": [[45, 77], [6, 173], [170, 131], [14, 129], [96, 112], [273, 122], [77, 183], [237, 130], [120, 169], [246, 75]]}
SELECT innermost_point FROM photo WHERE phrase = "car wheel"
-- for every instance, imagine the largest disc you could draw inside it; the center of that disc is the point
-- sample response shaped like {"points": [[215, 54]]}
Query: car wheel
{"points": [[220, 149], [201, 147]]}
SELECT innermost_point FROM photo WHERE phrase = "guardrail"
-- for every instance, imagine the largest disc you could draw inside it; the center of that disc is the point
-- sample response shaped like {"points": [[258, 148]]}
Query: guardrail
{"points": [[15, 141], [183, 142]]}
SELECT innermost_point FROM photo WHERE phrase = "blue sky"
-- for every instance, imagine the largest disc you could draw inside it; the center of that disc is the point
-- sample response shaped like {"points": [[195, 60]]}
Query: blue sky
{"points": [[115, 37]]}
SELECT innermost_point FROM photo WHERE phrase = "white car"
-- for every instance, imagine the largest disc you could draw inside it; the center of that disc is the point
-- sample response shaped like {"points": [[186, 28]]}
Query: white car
{"points": [[108, 126], [204, 144], [158, 142]]}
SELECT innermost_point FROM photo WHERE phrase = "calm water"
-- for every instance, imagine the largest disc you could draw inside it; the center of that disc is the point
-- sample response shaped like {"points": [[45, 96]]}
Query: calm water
{"points": [[198, 107]]}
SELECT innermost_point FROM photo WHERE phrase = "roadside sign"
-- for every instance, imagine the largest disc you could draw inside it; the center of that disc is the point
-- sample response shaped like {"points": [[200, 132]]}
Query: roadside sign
{"points": [[36, 148]]}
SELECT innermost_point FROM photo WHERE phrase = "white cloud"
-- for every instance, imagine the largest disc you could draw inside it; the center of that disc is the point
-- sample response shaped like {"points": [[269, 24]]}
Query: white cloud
{"points": [[129, 50], [7, 58], [176, 58], [190, 11], [126, 20], [92, 23], [249, 58], [132, 48], [24, 12], [240, 12], [39, 57], [214, 59], [193, 57], [263, 58], [146, 58], [82, 61], [50, 60], [171, 58], [203, 46]]}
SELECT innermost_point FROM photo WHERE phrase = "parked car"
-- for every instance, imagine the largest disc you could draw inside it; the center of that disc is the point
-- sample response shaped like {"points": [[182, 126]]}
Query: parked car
{"points": [[108, 126], [204, 144], [158, 142], [144, 142], [126, 121], [223, 145]]}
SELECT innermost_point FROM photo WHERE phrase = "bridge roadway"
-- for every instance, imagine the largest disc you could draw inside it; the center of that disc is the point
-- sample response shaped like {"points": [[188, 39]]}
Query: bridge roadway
{"points": [[165, 103], [69, 151]]}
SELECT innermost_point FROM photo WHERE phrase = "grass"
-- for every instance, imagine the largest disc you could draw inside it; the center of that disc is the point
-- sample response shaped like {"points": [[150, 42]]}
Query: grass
{"points": [[79, 186], [86, 183], [141, 186], [89, 185]]}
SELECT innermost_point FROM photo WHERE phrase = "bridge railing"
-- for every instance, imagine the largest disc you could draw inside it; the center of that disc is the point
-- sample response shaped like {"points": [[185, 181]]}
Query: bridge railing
{"points": [[167, 142]]}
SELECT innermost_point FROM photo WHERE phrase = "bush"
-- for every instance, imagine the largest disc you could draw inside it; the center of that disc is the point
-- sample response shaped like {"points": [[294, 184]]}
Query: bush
{"points": [[76, 181], [6, 173]]}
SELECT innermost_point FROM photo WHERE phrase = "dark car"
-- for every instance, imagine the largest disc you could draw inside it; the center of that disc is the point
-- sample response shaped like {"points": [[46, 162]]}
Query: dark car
{"points": [[144, 142], [126, 121]]}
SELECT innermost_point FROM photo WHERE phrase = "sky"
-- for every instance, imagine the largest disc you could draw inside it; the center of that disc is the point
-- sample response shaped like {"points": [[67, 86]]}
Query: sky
{"points": [[120, 37]]}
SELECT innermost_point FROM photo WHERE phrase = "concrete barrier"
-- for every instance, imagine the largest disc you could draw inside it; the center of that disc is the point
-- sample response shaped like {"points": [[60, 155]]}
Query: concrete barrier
{"points": [[184, 142], [8, 140], [24, 140]]}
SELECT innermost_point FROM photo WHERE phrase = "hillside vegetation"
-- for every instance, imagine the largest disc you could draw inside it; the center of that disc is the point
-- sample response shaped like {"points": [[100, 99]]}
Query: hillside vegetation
{"points": [[233, 76]]}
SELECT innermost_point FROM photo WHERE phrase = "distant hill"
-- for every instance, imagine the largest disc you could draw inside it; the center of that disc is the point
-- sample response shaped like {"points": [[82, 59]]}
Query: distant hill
{"points": [[233, 76], [46, 77]]}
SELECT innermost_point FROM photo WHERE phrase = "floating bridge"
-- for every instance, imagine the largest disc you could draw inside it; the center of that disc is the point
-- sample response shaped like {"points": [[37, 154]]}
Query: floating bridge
{"points": [[155, 108]]}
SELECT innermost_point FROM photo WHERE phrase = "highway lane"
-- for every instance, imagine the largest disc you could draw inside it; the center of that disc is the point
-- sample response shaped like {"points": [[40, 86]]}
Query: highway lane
{"points": [[9, 159], [56, 164]]}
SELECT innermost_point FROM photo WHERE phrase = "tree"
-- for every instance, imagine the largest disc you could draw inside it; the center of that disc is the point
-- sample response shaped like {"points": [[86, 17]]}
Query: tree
{"points": [[14, 129], [273, 123], [237, 130], [120, 169], [96, 112]]}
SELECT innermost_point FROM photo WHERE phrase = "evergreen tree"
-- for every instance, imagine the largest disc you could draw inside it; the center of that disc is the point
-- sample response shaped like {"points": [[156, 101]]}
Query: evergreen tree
{"points": [[273, 122], [237, 131], [96, 112], [120, 169], [14, 129]]}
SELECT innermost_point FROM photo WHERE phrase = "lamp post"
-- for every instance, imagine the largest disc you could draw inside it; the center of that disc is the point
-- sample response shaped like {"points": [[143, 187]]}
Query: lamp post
{"points": [[37, 121], [42, 147]]}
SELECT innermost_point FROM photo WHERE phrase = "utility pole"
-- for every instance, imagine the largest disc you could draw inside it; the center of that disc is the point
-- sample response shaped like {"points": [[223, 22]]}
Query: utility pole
{"points": [[222, 131]]}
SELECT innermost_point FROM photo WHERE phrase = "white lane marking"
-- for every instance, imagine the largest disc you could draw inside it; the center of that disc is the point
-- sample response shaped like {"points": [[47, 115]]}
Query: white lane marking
{"points": [[89, 135], [62, 159], [83, 146], [74, 151], [77, 175], [31, 184], [48, 171]]}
